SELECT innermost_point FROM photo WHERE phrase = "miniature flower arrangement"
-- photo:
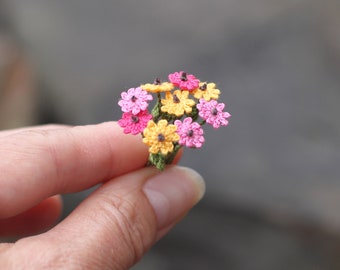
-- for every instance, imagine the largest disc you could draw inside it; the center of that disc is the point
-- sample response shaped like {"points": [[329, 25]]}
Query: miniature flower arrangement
{"points": [[184, 104]]}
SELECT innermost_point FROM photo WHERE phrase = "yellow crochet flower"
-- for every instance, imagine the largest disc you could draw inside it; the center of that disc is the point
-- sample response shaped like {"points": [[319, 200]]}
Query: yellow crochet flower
{"points": [[157, 86], [177, 103], [160, 137], [206, 91]]}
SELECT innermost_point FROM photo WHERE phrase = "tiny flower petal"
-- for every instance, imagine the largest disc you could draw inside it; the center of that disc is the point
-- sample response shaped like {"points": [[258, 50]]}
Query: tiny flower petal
{"points": [[191, 133], [177, 103], [184, 81], [157, 86], [160, 137], [212, 112], [134, 124], [134, 100], [207, 91]]}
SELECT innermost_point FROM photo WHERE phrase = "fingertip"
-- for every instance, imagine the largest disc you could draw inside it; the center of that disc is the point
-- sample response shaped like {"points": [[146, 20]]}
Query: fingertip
{"points": [[173, 193]]}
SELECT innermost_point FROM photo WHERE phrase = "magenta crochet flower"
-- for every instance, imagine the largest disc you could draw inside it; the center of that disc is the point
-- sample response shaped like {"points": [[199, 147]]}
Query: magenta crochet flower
{"points": [[191, 133], [184, 81], [134, 123], [212, 112], [134, 100]]}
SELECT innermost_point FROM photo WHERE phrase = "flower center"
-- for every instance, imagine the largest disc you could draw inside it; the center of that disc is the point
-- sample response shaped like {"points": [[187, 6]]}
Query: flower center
{"points": [[214, 111], [203, 87], [175, 99], [160, 137], [133, 98], [184, 77], [190, 133], [157, 81], [134, 119]]}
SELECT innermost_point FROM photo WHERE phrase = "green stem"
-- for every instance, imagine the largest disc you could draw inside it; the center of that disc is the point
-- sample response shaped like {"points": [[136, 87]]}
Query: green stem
{"points": [[160, 161], [159, 101], [202, 122], [170, 157]]}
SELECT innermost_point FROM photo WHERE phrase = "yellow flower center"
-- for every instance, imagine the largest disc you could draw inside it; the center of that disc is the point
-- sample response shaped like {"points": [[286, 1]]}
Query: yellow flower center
{"points": [[176, 99], [157, 81], [203, 87], [160, 137]]}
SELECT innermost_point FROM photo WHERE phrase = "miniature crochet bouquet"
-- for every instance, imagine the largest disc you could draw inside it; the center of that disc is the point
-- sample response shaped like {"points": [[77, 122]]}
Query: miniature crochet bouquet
{"points": [[183, 105]]}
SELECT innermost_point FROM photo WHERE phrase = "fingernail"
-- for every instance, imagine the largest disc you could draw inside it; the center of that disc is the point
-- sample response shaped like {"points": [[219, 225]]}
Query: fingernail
{"points": [[173, 192]]}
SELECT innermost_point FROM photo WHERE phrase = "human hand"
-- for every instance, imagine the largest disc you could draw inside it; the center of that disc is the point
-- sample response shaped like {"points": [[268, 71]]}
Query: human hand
{"points": [[114, 226]]}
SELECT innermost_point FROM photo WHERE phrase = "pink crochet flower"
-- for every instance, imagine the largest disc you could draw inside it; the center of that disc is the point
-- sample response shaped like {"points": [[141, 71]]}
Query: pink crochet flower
{"points": [[191, 133], [134, 123], [184, 81], [134, 100], [212, 112]]}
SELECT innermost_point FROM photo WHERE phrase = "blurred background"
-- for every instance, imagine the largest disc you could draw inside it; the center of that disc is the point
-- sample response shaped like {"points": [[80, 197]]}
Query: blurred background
{"points": [[273, 175]]}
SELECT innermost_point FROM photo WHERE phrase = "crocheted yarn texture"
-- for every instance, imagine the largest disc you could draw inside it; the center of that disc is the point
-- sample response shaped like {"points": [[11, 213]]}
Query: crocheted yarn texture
{"points": [[183, 105]]}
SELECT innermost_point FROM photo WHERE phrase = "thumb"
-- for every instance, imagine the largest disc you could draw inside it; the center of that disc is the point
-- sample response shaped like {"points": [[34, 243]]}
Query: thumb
{"points": [[117, 224]]}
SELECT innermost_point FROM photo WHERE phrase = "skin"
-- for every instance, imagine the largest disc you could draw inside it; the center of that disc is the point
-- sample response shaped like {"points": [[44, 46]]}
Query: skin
{"points": [[132, 208]]}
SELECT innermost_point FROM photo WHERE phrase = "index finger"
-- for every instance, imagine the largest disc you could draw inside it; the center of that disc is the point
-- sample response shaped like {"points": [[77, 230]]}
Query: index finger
{"points": [[36, 164]]}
